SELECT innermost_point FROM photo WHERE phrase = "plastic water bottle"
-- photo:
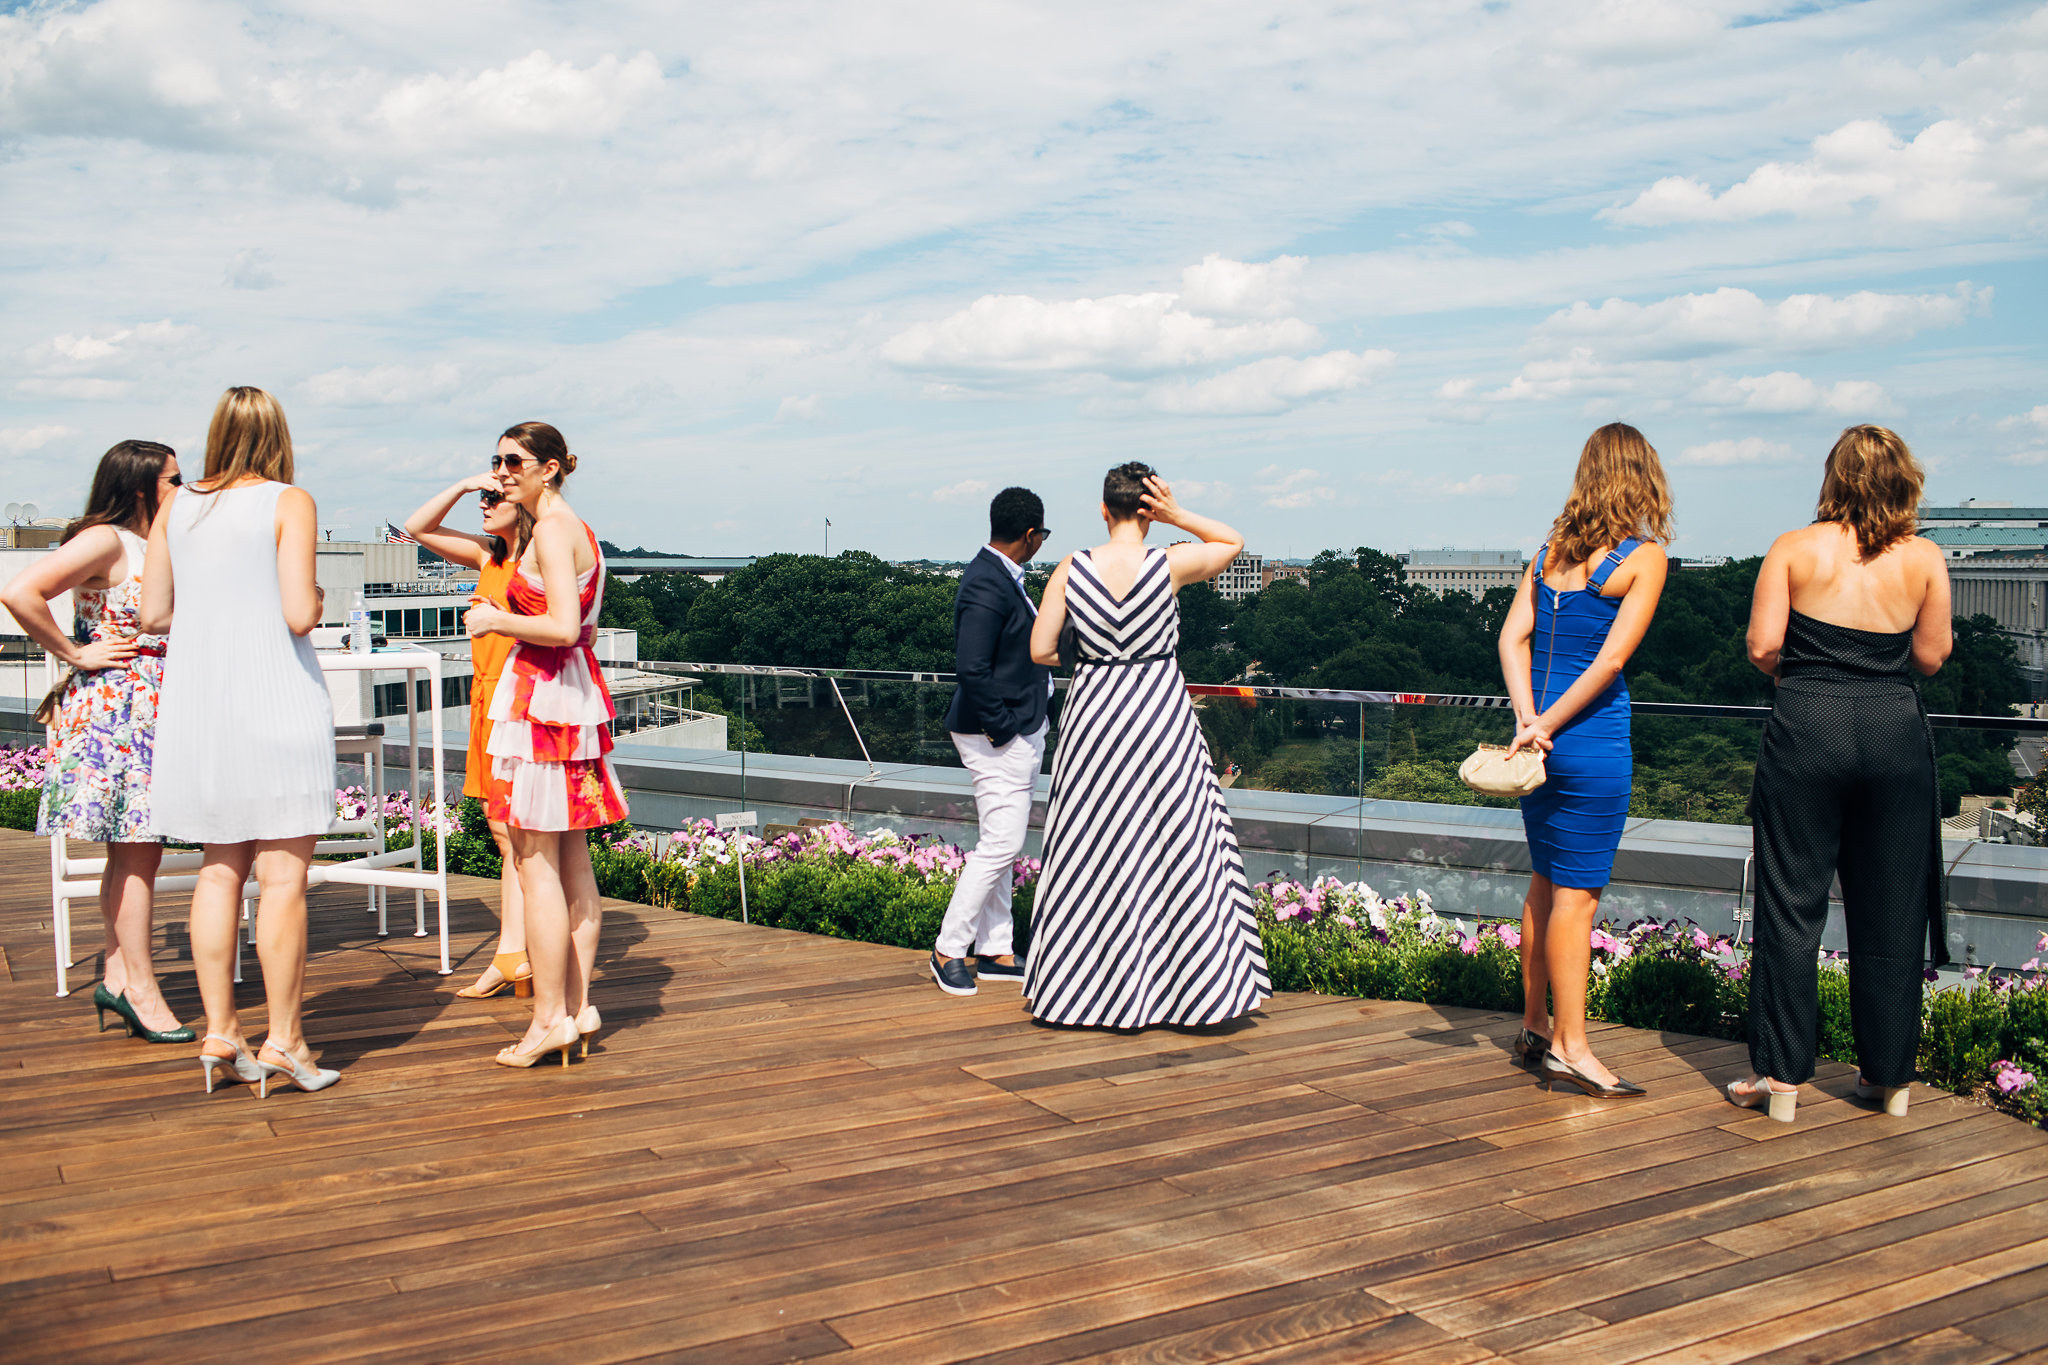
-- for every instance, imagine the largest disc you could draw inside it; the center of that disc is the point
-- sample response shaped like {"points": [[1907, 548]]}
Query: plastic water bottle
{"points": [[359, 627]]}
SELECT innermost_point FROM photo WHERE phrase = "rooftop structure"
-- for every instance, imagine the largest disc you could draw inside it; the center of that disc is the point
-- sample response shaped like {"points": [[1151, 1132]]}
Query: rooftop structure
{"points": [[1966, 542], [711, 567], [1468, 571], [1982, 512]]}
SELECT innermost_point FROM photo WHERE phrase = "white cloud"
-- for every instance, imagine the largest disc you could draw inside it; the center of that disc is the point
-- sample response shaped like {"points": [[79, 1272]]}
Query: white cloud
{"points": [[21, 440], [1735, 319], [382, 385], [1442, 486], [248, 270], [1790, 391], [2035, 417], [2038, 455], [1746, 450], [108, 349], [1121, 333], [1291, 490], [1272, 385], [1220, 287], [962, 491], [794, 409], [1955, 171], [1483, 485], [533, 97]]}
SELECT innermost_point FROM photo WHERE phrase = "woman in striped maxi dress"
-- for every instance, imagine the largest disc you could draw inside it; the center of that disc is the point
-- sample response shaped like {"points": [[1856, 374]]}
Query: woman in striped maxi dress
{"points": [[1142, 915]]}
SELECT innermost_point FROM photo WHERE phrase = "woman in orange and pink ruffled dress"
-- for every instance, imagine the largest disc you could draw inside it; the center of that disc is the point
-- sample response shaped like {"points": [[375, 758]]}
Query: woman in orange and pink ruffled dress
{"points": [[550, 740]]}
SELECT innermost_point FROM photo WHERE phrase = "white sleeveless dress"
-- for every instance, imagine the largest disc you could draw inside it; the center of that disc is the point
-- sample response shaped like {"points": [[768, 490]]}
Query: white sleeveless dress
{"points": [[245, 731]]}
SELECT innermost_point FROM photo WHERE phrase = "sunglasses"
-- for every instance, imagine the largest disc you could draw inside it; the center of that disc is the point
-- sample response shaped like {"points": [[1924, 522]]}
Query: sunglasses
{"points": [[176, 480], [511, 464], [490, 499]]}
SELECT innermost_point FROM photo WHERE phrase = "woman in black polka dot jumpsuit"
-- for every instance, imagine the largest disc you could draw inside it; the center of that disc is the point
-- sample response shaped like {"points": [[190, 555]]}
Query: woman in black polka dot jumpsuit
{"points": [[1846, 610]]}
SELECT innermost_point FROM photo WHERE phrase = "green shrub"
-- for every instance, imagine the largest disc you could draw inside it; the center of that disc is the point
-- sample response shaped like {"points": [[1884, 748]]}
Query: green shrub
{"points": [[1664, 994], [18, 809]]}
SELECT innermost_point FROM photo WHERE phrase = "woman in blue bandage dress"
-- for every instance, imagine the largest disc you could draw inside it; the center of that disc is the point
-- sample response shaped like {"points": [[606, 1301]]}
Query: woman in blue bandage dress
{"points": [[1581, 610]]}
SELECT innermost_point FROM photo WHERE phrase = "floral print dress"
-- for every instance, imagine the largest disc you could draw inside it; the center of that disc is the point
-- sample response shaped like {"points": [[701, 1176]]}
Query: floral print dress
{"points": [[97, 783]]}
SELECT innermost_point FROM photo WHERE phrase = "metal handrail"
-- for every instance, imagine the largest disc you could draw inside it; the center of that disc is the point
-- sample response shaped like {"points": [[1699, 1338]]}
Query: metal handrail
{"points": [[1350, 696]]}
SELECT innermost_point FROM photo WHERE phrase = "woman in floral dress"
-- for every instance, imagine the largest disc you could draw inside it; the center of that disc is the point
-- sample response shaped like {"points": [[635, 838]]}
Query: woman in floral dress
{"points": [[97, 784], [551, 741]]}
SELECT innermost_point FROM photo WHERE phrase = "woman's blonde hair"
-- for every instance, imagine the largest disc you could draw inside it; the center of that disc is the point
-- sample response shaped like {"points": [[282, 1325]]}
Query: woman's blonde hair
{"points": [[1872, 486], [1618, 492], [248, 436]]}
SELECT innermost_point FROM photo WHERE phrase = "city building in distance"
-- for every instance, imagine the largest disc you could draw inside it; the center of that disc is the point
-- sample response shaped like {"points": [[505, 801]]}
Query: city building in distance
{"points": [[1278, 572], [1245, 576], [1998, 567], [1468, 571]]}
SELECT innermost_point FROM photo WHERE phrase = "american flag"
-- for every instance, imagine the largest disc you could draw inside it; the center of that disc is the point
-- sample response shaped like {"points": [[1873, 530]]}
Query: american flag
{"points": [[394, 535]]}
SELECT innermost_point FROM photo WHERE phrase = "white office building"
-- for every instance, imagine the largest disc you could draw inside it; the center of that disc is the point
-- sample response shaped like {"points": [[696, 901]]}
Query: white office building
{"points": [[1472, 572]]}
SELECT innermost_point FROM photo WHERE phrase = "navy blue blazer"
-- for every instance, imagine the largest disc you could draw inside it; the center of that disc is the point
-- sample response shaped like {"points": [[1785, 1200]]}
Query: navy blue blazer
{"points": [[1001, 693]]}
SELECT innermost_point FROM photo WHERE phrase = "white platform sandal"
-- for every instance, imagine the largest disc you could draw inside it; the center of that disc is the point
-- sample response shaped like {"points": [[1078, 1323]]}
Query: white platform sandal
{"points": [[1758, 1093]]}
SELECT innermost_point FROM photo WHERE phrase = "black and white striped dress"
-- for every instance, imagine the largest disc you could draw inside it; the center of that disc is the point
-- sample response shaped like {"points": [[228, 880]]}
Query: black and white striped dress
{"points": [[1142, 914]]}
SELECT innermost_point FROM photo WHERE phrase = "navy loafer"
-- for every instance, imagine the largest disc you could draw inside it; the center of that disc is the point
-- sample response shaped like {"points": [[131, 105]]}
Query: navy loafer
{"points": [[988, 969], [955, 977]]}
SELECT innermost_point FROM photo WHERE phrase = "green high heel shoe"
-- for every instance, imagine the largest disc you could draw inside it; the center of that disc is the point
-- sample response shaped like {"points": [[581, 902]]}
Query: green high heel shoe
{"points": [[103, 1000]]}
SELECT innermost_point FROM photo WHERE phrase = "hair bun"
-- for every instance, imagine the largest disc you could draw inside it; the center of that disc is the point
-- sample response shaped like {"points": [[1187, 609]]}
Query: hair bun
{"points": [[569, 463]]}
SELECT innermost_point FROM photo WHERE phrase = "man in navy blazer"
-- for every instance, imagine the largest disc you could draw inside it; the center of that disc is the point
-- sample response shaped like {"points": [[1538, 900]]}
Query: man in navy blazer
{"points": [[998, 722]]}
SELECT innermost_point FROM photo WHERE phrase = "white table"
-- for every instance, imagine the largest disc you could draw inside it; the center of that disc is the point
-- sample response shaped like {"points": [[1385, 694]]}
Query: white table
{"points": [[374, 867]]}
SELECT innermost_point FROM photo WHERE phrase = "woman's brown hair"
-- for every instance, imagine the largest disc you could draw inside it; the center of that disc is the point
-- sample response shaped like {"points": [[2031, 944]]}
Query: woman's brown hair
{"points": [[1618, 492], [126, 479], [248, 436], [522, 534], [1872, 486], [544, 443]]}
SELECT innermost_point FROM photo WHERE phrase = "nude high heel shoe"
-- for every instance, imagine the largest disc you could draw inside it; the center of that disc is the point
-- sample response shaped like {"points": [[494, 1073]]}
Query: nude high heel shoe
{"points": [[244, 1066], [588, 1022], [562, 1037]]}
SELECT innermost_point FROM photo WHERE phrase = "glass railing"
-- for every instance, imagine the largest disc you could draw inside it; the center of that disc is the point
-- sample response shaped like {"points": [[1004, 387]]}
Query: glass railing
{"points": [[1693, 761]]}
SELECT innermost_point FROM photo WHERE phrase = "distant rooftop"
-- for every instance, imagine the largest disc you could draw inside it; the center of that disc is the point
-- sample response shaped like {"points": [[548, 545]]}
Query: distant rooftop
{"points": [[1466, 559], [1988, 536], [697, 564], [1980, 509]]}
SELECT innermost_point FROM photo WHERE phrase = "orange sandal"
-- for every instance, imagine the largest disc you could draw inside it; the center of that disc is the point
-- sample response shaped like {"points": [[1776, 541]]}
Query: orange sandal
{"points": [[512, 970]]}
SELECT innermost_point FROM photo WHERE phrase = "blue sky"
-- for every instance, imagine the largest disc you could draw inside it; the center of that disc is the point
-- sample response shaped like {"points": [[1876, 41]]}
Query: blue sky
{"points": [[1349, 275]]}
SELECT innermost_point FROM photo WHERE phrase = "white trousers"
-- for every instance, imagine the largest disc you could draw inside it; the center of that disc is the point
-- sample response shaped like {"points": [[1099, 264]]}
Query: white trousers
{"points": [[978, 918]]}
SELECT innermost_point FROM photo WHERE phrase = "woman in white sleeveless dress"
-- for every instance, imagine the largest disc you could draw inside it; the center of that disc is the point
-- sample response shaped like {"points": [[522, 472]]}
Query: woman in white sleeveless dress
{"points": [[96, 786], [1142, 914], [245, 732]]}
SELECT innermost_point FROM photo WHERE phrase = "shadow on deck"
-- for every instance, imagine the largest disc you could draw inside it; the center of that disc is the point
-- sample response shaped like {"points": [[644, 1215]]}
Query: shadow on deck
{"points": [[788, 1148]]}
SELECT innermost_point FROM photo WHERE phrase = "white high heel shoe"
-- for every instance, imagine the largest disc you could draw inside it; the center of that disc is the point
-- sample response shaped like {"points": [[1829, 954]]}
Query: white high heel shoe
{"points": [[1759, 1093], [305, 1077], [242, 1064], [1893, 1097]]}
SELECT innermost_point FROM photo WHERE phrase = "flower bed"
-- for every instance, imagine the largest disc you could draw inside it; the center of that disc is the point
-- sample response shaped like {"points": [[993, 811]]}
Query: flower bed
{"points": [[1988, 1039]]}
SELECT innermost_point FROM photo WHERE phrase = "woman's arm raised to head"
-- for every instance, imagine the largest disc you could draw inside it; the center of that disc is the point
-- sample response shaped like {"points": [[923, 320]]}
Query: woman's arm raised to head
{"points": [[94, 555], [1770, 606], [457, 547], [297, 531], [1052, 617], [1934, 628], [1191, 563], [159, 595], [554, 546]]}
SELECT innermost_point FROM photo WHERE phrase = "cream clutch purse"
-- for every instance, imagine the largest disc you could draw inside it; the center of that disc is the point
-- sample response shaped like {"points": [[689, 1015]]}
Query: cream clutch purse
{"points": [[1490, 772]]}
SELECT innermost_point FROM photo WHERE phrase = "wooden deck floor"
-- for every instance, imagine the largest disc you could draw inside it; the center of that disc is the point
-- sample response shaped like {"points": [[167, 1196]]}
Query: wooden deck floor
{"points": [[790, 1148]]}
